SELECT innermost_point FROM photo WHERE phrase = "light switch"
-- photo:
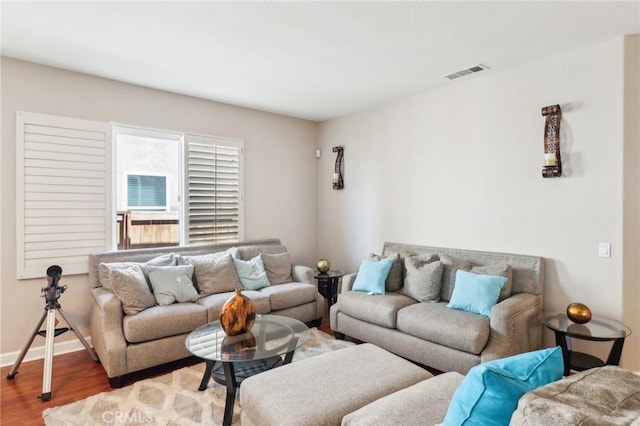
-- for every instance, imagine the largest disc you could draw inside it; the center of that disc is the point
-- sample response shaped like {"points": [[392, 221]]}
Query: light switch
{"points": [[604, 250]]}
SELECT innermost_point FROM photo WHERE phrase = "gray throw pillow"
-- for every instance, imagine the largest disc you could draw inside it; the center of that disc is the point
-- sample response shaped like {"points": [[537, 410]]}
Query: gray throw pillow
{"points": [[394, 279], [278, 267], [501, 271], [423, 278], [168, 259], [251, 272], [450, 267], [172, 283], [130, 286], [214, 273]]}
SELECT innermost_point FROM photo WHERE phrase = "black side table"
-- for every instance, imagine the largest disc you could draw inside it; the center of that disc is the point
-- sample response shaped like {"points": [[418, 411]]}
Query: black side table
{"points": [[328, 285], [598, 329]]}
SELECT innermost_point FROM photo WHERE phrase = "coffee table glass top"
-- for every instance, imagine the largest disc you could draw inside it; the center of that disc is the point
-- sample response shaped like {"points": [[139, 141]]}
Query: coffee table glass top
{"points": [[271, 335], [596, 329]]}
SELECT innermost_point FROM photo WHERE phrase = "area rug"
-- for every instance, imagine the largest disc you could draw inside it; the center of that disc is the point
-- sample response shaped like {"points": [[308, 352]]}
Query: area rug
{"points": [[169, 400]]}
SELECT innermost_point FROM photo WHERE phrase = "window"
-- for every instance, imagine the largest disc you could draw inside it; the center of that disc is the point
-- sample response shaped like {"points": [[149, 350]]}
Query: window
{"points": [[146, 192], [152, 213], [176, 188], [148, 187]]}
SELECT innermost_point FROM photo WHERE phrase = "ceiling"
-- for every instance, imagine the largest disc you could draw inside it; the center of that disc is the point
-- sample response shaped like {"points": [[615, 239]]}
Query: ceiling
{"points": [[314, 60]]}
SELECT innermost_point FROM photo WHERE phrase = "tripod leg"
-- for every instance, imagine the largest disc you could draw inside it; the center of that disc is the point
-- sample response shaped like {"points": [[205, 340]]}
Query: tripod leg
{"points": [[48, 355], [23, 352], [78, 335]]}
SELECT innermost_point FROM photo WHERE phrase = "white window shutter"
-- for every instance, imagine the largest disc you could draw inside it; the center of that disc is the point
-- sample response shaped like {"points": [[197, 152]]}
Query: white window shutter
{"points": [[213, 189], [63, 197]]}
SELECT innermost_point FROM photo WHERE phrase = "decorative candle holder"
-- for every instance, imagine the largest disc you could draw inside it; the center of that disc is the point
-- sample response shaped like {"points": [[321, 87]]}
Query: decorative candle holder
{"points": [[338, 180], [552, 159]]}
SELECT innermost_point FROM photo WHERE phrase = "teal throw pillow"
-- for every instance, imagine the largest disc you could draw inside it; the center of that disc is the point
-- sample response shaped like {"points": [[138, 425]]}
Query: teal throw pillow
{"points": [[489, 393], [252, 274], [476, 293], [372, 276], [172, 283]]}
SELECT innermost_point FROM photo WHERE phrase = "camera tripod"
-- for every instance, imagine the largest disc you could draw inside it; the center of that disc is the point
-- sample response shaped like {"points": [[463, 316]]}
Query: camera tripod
{"points": [[52, 294]]}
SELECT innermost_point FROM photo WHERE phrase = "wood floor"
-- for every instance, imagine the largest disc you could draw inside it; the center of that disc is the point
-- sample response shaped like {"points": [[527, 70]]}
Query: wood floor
{"points": [[75, 376]]}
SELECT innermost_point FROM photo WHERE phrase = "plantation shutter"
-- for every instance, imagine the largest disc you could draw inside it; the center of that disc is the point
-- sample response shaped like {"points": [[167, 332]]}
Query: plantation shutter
{"points": [[214, 183], [63, 193]]}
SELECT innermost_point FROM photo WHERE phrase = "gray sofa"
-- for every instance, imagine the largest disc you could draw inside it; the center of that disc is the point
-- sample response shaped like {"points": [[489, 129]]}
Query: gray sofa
{"points": [[439, 337], [153, 336]]}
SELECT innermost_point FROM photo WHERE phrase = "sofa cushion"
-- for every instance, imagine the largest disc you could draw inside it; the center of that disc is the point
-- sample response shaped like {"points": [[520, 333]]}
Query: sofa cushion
{"points": [[288, 295], [214, 302], [605, 396], [163, 321], [424, 403], [251, 273], [489, 393], [278, 267], [372, 275], [130, 286], [423, 278], [452, 328], [214, 273], [168, 259], [476, 293], [450, 266], [498, 270], [395, 278], [376, 309], [172, 283]]}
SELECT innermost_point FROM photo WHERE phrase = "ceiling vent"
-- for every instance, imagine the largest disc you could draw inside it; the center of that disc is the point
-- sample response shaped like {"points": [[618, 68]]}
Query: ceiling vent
{"points": [[474, 69]]}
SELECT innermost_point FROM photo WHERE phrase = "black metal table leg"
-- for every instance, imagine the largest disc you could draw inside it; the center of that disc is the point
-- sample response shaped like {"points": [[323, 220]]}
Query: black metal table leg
{"points": [[230, 379], [616, 352], [561, 340], [207, 375]]}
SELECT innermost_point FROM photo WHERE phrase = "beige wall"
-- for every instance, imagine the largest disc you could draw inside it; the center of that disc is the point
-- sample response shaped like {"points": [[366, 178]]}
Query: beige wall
{"points": [[631, 223], [460, 167], [280, 172]]}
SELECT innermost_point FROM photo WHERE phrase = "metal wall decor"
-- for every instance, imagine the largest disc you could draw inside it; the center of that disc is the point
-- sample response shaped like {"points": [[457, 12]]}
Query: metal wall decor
{"points": [[338, 180], [552, 158]]}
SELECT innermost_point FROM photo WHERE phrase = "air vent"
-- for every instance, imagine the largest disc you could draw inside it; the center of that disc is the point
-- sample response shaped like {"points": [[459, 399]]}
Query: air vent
{"points": [[462, 73]]}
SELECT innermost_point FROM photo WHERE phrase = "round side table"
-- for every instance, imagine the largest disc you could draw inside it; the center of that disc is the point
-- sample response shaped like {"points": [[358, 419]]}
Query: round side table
{"points": [[328, 285], [598, 329]]}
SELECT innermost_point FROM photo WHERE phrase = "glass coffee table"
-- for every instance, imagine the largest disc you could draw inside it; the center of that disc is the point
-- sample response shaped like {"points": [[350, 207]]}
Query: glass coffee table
{"points": [[598, 329], [231, 359]]}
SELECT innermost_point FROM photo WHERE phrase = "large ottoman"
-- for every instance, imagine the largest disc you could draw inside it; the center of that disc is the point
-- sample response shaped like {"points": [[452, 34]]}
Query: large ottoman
{"points": [[321, 390]]}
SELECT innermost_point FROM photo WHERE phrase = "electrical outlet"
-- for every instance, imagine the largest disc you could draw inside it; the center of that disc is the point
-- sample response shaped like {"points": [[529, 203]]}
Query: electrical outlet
{"points": [[604, 250]]}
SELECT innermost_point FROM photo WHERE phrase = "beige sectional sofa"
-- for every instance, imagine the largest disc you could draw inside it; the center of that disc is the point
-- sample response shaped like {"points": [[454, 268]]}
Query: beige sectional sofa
{"points": [[134, 336], [433, 335]]}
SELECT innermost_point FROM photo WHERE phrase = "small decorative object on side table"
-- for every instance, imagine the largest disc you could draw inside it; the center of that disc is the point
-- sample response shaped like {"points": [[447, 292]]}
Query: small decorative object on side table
{"points": [[597, 329], [328, 285]]}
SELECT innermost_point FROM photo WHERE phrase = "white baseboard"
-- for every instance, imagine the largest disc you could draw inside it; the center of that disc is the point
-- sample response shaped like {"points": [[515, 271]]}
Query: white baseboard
{"points": [[37, 352]]}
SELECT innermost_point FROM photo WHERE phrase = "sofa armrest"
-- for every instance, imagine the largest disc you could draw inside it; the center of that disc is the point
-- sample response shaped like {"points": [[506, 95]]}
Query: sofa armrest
{"points": [[107, 334], [302, 274], [515, 327], [347, 282]]}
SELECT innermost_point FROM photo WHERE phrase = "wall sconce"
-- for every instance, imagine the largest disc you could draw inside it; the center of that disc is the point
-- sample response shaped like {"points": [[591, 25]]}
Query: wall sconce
{"points": [[552, 159], [338, 181]]}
